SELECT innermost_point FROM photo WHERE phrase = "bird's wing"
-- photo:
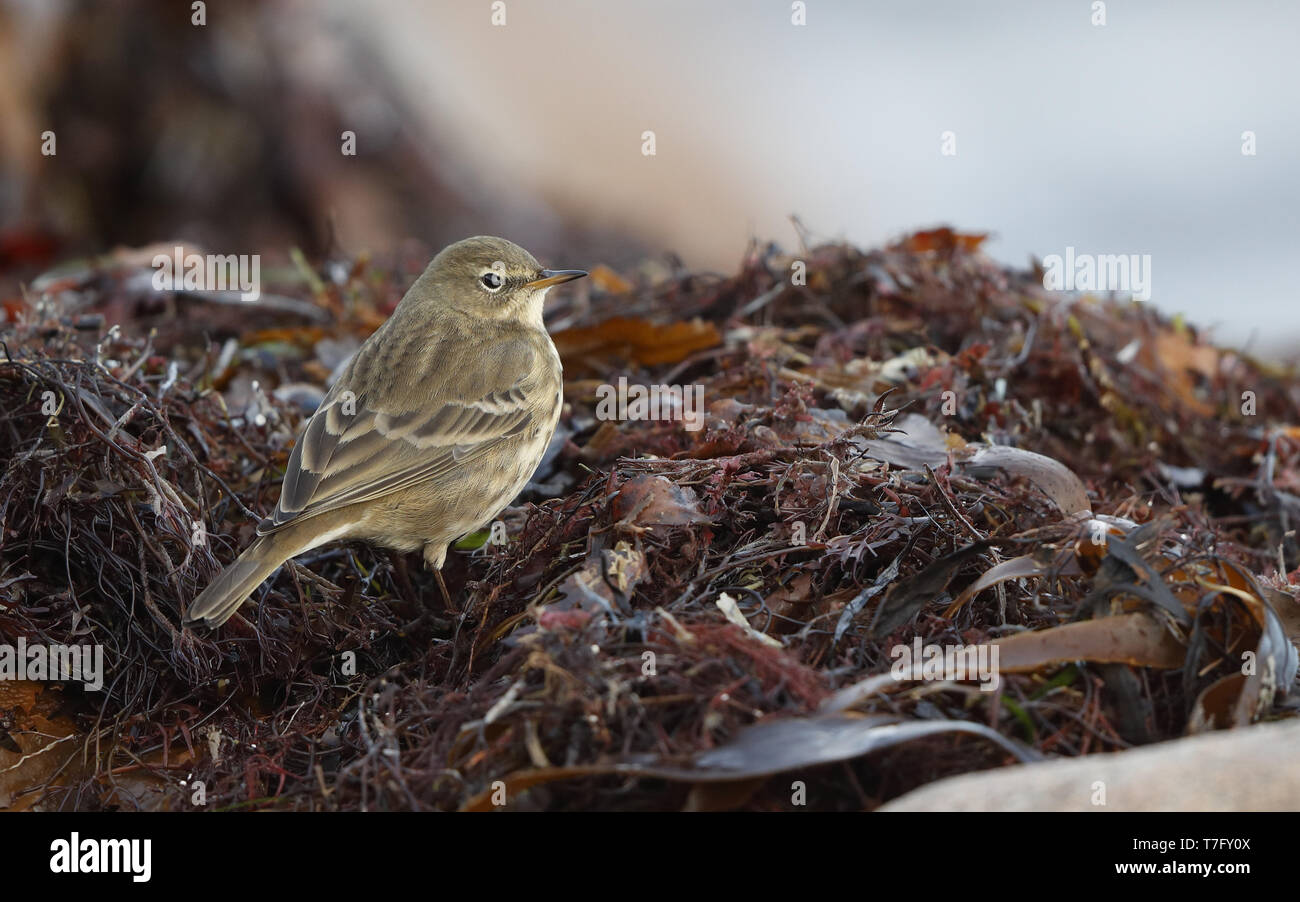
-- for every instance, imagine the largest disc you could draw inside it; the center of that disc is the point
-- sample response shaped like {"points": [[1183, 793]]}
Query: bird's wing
{"points": [[405, 422]]}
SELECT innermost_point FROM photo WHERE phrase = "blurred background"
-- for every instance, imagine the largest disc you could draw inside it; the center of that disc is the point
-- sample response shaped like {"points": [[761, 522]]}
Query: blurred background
{"points": [[526, 118]]}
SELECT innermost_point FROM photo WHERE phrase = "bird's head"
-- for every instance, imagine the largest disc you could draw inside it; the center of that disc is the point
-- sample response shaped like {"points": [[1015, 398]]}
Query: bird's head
{"points": [[492, 277]]}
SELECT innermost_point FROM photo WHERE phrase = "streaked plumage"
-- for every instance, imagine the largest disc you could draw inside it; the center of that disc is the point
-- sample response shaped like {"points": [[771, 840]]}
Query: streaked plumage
{"points": [[435, 426]]}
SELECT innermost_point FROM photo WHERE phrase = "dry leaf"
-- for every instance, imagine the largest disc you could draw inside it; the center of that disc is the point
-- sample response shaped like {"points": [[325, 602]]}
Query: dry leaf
{"points": [[636, 341], [766, 748], [1134, 639], [656, 501], [942, 239], [1053, 479]]}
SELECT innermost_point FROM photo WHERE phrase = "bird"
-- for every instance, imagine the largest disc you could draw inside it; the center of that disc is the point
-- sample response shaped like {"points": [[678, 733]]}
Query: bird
{"points": [[433, 428]]}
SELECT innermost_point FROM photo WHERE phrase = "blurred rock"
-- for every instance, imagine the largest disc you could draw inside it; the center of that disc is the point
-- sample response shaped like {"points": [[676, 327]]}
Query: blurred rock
{"points": [[1252, 769]]}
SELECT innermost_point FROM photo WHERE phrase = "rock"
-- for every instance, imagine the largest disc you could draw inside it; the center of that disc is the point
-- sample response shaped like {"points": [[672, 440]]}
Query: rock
{"points": [[1251, 769]]}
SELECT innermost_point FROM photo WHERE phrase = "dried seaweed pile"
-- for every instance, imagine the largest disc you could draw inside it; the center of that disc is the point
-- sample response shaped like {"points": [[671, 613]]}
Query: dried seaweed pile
{"points": [[907, 444]]}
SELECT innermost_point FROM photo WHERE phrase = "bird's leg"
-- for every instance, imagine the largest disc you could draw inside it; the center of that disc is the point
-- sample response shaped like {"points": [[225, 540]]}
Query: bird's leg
{"points": [[446, 596], [435, 553]]}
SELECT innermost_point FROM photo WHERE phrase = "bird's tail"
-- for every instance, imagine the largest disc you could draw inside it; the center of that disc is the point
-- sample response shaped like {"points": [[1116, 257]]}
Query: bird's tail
{"points": [[218, 602]]}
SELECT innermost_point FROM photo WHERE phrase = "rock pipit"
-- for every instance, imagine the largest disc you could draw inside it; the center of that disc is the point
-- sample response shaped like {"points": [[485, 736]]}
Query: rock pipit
{"points": [[435, 426]]}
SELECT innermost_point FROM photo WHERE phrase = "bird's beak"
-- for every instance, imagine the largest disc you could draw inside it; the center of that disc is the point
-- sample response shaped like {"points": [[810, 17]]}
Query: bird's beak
{"points": [[549, 277]]}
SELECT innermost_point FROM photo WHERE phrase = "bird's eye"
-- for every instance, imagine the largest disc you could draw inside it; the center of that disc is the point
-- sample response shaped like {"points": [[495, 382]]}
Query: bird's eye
{"points": [[492, 280]]}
